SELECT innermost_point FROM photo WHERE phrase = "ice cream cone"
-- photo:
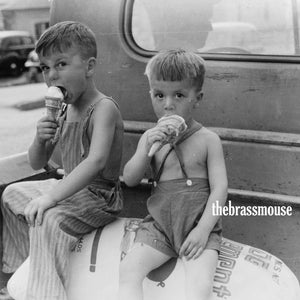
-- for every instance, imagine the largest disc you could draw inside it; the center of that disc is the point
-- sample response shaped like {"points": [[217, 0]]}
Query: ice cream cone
{"points": [[53, 102], [175, 125]]}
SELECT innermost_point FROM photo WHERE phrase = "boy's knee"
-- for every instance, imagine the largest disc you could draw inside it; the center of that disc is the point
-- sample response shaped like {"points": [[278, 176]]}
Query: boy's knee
{"points": [[7, 194], [13, 192]]}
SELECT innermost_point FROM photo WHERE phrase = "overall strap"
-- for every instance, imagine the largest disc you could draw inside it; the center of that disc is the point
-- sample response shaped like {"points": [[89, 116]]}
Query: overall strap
{"points": [[195, 127], [86, 121]]}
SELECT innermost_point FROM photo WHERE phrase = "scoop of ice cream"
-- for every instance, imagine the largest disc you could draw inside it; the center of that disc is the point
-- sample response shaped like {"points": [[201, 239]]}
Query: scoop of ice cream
{"points": [[54, 92], [175, 125]]}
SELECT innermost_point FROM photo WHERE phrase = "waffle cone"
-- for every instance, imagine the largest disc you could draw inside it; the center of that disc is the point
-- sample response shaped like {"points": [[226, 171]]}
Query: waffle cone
{"points": [[53, 102], [175, 125], [53, 106]]}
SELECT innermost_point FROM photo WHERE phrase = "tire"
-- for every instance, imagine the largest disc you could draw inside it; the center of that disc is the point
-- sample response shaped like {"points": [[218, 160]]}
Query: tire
{"points": [[14, 67]]}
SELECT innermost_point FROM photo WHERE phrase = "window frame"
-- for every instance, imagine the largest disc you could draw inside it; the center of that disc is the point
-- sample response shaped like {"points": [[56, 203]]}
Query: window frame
{"points": [[133, 47]]}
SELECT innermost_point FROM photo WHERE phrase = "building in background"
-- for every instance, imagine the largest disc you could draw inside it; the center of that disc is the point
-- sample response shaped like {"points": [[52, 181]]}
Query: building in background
{"points": [[28, 15]]}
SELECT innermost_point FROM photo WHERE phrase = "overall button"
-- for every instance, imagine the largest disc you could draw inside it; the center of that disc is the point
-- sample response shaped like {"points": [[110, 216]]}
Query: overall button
{"points": [[189, 182]]}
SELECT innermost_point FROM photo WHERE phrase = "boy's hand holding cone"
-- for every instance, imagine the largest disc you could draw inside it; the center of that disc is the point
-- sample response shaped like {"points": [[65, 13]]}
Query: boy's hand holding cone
{"points": [[175, 125]]}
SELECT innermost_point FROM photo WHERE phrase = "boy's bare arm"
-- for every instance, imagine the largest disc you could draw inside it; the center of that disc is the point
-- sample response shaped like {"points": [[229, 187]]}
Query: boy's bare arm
{"points": [[104, 123], [39, 154], [135, 168], [41, 148], [217, 179]]}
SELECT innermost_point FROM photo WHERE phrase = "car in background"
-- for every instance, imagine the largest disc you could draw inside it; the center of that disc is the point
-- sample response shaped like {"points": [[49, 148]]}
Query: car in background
{"points": [[14, 49]]}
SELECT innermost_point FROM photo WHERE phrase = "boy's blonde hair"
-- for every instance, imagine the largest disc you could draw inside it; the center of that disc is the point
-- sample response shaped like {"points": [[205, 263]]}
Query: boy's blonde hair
{"points": [[65, 35], [177, 65]]}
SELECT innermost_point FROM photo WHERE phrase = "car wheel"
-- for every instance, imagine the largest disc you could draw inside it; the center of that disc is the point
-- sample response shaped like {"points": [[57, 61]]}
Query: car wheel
{"points": [[14, 68]]}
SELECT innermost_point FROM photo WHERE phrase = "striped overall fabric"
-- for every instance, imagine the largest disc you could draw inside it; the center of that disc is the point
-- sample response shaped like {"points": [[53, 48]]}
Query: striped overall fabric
{"points": [[49, 244]]}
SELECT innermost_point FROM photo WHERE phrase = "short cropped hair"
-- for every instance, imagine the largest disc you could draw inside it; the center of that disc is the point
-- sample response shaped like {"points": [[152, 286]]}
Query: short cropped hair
{"points": [[177, 65], [65, 35]]}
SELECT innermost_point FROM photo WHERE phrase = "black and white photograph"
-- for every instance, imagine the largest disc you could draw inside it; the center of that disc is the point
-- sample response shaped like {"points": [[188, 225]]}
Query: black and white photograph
{"points": [[150, 149]]}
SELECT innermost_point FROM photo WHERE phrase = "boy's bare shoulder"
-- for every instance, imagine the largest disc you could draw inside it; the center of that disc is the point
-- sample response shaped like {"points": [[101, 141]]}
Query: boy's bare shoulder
{"points": [[208, 136], [107, 112], [207, 133], [107, 102], [107, 107]]}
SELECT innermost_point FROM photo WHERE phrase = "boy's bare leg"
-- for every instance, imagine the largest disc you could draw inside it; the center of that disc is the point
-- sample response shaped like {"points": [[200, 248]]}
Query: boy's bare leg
{"points": [[200, 275], [134, 268]]}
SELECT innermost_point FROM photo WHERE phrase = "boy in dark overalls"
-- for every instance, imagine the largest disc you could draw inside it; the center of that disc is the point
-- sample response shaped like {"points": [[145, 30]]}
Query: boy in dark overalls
{"points": [[190, 178]]}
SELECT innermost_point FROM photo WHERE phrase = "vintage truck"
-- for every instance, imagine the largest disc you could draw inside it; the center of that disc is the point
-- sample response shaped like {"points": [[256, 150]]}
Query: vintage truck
{"points": [[251, 99]]}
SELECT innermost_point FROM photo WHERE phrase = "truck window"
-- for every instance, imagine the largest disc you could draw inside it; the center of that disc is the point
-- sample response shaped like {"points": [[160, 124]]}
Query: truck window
{"points": [[264, 27], [13, 41], [27, 40]]}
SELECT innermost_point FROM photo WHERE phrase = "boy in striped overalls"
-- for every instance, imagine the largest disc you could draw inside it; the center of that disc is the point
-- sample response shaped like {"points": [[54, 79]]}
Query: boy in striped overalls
{"points": [[59, 212]]}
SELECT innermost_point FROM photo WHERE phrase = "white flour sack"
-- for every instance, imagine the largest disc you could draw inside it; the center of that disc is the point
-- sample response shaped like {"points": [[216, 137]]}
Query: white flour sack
{"points": [[243, 272]]}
